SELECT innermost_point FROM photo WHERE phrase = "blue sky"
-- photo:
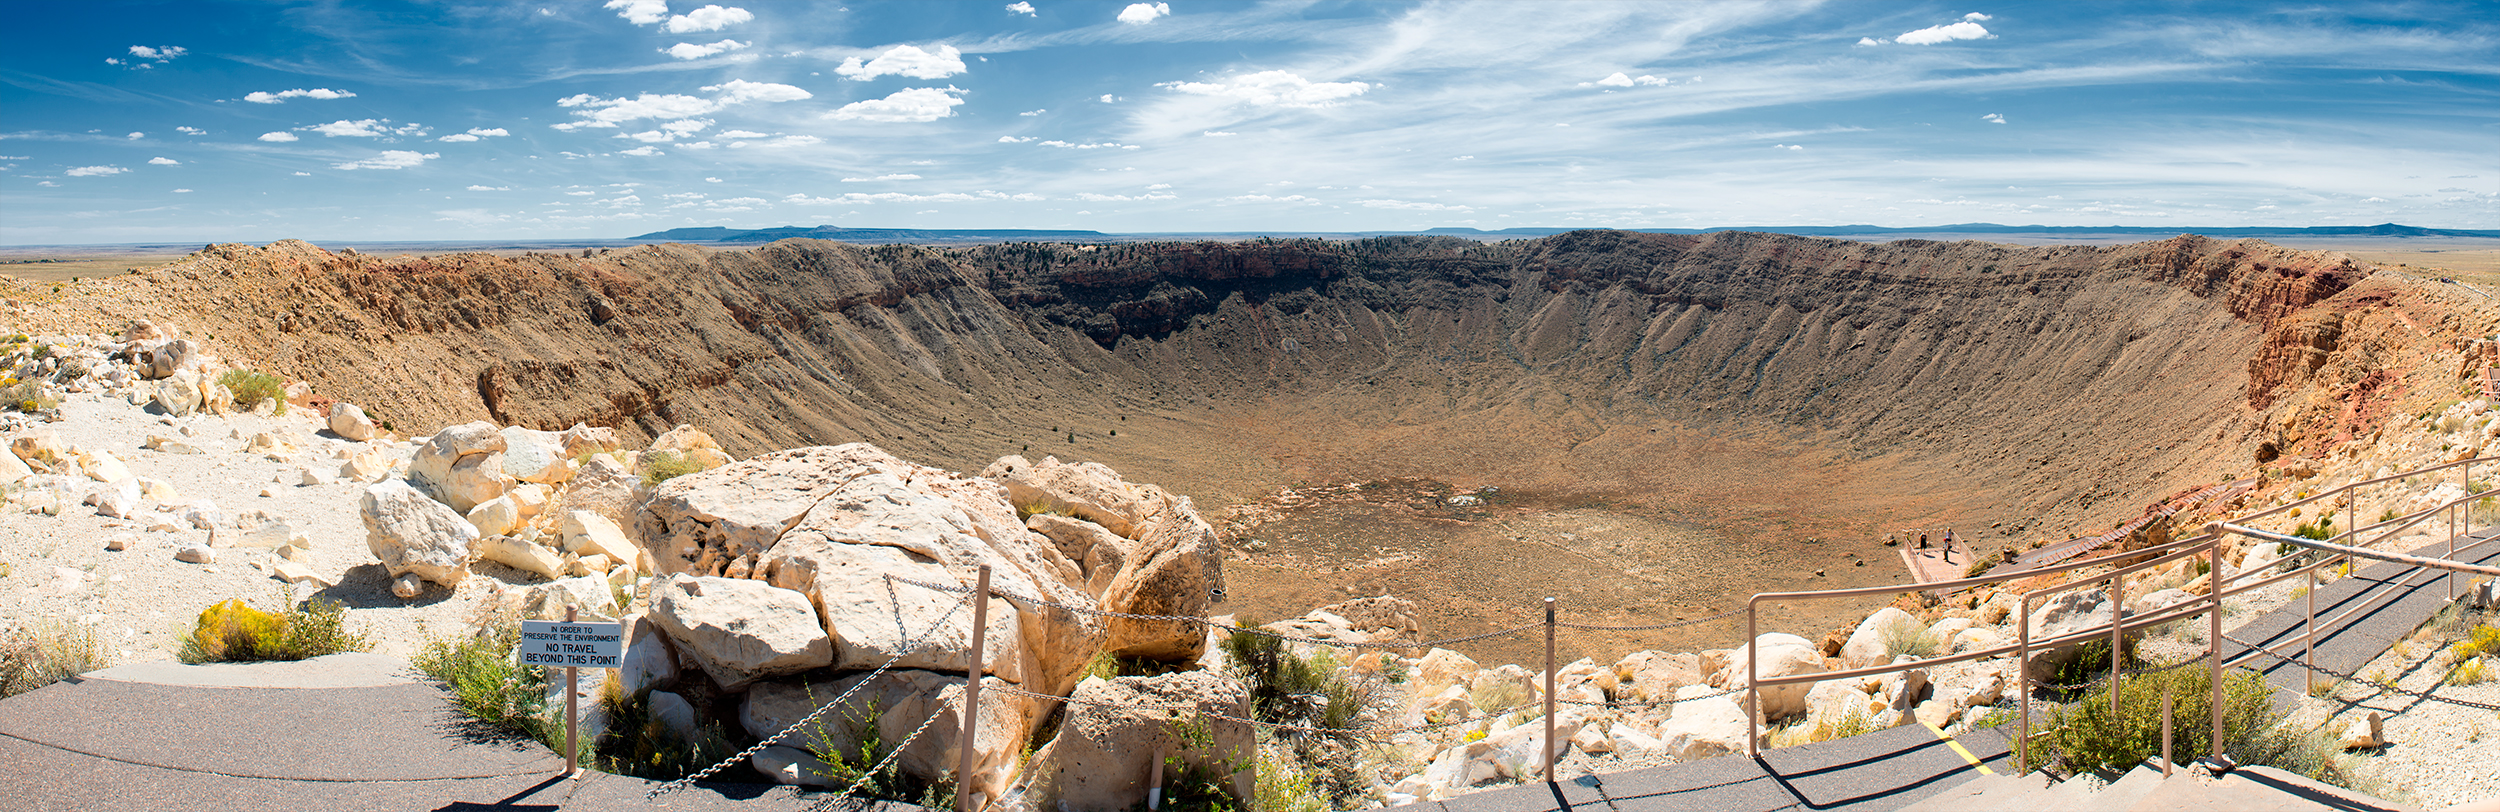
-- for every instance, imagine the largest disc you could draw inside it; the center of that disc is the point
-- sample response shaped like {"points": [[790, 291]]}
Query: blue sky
{"points": [[206, 121]]}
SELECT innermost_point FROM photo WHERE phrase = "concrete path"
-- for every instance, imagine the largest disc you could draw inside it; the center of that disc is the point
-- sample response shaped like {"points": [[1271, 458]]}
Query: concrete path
{"points": [[2379, 622], [1885, 770], [348, 732]]}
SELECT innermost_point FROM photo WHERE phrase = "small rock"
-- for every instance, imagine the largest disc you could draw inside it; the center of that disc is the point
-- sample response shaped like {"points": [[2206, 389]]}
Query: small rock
{"points": [[294, 553], [170, 445], [407, 585], [296, 572], [195, 553], [121, 541], [312, 476], [268, 492], [2364, 733]]}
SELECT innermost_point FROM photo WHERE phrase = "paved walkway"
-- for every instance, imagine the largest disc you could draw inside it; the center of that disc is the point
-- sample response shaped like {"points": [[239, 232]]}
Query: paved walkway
{"points": [[2370, 632], [1884, 770], [349, 732]]}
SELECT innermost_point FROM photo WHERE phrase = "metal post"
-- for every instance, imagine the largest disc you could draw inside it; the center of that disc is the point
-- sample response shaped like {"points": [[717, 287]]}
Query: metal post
{"points": [[1549, 690], [1753, 739], [1154, 783], [972, 692], [2450, 576], [2165, 730], [2309, 632], [2117, 638], [2022, 682], [2213, 641], [572, 706]]}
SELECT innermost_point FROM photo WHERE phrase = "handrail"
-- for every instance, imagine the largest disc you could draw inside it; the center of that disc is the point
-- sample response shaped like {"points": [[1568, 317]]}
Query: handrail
{"points": [[2346, 487], [2355, 552]]}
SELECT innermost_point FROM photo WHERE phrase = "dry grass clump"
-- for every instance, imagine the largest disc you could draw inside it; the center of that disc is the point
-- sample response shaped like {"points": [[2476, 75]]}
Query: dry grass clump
{"points": [[250, 388], [35, 656]]}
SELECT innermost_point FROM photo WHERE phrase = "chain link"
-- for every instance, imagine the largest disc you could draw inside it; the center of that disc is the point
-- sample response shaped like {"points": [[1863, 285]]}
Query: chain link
{"points": [[852, 792], [908, 645], [2385, 686]]}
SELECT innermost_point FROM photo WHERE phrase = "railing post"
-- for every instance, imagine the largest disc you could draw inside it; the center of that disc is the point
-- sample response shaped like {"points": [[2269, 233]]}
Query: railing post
{"points": [[2309, 633], [2214, 640], [972, 692], [2118, 636], [572, 705], [2022, 683], [2451, 576], [1549, 690], [2165, 730], [1753, 691]]}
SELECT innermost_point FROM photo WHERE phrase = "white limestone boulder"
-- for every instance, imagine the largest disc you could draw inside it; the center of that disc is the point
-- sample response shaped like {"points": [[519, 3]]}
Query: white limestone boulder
{"points": [[348, 421], [1093, 762], [415, 535], [739, 631], [1782, 655]]}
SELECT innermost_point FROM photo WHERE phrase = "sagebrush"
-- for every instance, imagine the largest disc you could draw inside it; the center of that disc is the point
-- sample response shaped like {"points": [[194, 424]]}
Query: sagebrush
{"points": [[234, 632]]}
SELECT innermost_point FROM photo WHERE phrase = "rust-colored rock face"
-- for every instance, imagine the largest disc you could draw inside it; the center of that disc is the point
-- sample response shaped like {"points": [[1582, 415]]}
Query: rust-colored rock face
{"points": [[1607, 361]]}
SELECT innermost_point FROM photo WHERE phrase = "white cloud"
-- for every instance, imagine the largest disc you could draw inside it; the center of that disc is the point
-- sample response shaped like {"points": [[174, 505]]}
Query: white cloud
{"points": [[912, 104], [303, 174], [708, 18], [906, 60], [1143, 13], [1160, 186], [1618, 79], [458, 138], [1993, 118], [90, 171], [1977, 17], [1943, 33], [688, 50], [323, 93], [154, 56], [784, 141], [744, 134], [597, 112], [1274, 88], [190, 131], [136, 136], [279, 137], [1410, 205], [1100, 145], [1034, 112], [47, 183], [640, 12], [1014, 139], [1109, 99], [477, 188], [1020, 7], [366, 128], [711, 180], [1267, 199], [1102, 198], [1790, 147], [164, 162], [1217, 134], [182, 191], [896, 176], [489, 132], [1870, 41], [580, 194], [644, 151], [741, 91], [390, 159], [2374, 200]]}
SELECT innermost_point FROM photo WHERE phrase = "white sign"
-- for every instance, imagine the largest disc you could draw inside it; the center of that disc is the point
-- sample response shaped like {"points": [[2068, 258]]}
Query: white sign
{"points": [[578, 644]]}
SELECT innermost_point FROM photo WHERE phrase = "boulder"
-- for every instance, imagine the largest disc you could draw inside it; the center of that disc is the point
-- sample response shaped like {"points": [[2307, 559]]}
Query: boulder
{"points": [[297, 572], [524, 556], [1098, 553], [788, 766], [603, 486], [588, 533], [535, 456], [348, 421], [42, 451], [1094, 763], [179, 394], [1442, 668], [1782, 655], [2065, 614], [195, 553], [457, 465], [648, 660], [201, 515], [2158, 600], [474, 480], [13, 469], [102, 466], [120, 500], [415, 535], [530, 498], [369, 465], [1458, 768], [872, 620], [1869, 644], [738, 630], [682, 439], [1089, 491], [676, 715], [1517, 752], [583, 440], [895, 703], [1172, 570], [587, 595], [2365, 733], [1654, 676], [1703, 728], [495, 517], [156, 360], [699, 523]]}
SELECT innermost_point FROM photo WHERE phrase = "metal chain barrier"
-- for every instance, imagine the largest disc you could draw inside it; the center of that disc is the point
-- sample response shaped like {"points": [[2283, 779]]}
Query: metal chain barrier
{"points": [[908, 645], [2388, 686], [852, 792], [2126, 672]]}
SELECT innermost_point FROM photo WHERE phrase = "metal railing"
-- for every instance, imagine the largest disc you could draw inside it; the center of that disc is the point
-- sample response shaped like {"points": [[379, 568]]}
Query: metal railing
{"points": [[2221, 587]]}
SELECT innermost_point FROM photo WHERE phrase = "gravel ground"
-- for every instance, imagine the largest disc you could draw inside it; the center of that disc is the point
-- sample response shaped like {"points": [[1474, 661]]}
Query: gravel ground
{"points": [[141, 601], [2438, 754]]}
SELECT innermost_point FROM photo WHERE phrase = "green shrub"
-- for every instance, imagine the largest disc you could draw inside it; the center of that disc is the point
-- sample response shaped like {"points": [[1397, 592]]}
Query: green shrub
{"points": [[845, 768], [250, 388], [2483, 641], [662, 466], [231, 632], [35, 656], [2086, 735], [488, 683], [2470, 672], [641, 745], [1287, 689], [1911, 639], [2091, 662]]}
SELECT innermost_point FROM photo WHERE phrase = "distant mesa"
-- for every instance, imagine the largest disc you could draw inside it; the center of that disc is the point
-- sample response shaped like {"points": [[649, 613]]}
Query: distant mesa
{"points": [[2260, 232], [764, 235]]}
